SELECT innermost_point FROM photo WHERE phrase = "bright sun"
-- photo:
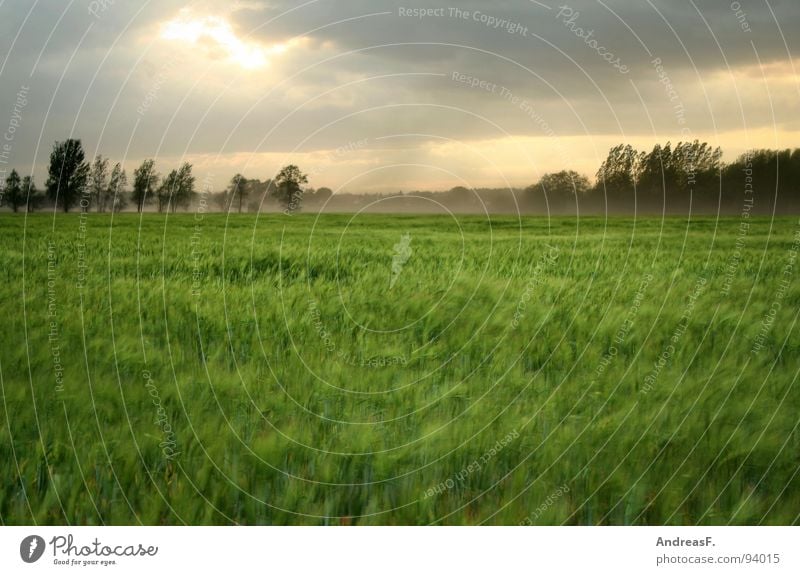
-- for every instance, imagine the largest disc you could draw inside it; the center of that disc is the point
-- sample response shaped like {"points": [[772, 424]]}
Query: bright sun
{"points": [[219, 33]]}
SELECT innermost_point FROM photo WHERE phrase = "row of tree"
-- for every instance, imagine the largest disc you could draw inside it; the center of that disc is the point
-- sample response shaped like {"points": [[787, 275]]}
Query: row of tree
{"points": [[244, 194], [20, 192], [674, 178], [72, 181]]}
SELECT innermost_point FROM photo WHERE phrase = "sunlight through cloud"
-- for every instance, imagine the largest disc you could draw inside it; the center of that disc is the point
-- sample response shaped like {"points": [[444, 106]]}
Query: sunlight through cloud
{"points": [[218, 34]]}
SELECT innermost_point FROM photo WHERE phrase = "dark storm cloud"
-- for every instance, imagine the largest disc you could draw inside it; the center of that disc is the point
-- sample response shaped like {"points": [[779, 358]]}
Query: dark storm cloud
{"points": [[674, 29], [541, 56]]}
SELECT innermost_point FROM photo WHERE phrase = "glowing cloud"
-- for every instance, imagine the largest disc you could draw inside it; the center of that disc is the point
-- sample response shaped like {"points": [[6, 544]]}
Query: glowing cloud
{"points": [[218, 34]]}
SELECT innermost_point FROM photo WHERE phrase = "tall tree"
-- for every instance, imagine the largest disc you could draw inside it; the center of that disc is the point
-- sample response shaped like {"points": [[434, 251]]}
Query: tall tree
{"points": [[655, 171], [167, 191], [620, 170], [30, 193], [288, 187], [67, 174], [98, 182], [699, 165], [184, 191], [239, 189], [177, 189], [13, 195], [145, 184], [114, 194]]}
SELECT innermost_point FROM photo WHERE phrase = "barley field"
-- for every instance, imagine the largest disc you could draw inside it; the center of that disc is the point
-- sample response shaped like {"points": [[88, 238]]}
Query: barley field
{"points": [[381, 370]]}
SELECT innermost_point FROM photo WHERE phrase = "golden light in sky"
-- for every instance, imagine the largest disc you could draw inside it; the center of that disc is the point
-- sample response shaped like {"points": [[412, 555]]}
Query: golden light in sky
{"points": [[218, 34]]}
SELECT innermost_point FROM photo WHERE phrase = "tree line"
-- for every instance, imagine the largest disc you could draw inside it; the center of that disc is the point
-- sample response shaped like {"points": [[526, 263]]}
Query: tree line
{"points": [[75, 182], [687, 176], [682, 178], [676, 178]]}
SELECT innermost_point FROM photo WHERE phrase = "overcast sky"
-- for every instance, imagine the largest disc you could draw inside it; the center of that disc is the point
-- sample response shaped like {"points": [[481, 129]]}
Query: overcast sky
{"points": [[369, 95]]}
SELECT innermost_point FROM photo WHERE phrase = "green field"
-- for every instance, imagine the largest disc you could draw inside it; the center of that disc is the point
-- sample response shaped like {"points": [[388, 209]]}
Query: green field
{"points": [[205, 369]]}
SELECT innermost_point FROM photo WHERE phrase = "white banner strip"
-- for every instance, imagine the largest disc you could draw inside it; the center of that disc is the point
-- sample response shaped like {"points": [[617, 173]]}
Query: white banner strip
{"points": [[400, 550]]}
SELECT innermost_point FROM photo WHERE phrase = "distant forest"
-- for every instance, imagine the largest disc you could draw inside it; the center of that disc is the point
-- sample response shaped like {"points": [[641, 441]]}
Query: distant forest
{"points": [[674, 179]]}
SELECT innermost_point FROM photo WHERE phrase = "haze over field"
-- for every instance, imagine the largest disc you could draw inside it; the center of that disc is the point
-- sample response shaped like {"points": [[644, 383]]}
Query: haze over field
{"points": [[369, 96]]}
